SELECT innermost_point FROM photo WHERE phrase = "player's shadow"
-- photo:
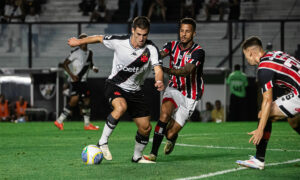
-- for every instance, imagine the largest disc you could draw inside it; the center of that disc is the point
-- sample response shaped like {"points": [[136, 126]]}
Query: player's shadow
{"points": [[191, 157]]}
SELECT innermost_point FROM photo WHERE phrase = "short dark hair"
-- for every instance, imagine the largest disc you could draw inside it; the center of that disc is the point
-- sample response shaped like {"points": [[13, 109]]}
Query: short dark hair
{"points": [[141, 22], [190, 21], [251, 41], [82, 35], [237, 67]]}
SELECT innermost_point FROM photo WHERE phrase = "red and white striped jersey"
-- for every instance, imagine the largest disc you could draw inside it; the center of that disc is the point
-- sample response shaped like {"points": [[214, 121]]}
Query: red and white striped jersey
{"points": [[192, 85], [279, 68]]}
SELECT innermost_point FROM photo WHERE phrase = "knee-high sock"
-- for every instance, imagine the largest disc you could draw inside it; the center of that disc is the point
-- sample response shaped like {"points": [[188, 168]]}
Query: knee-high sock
{"points": [[140, 143], [159, 132], [66, 112], [86, 112], [262, 146], [109, 126]]}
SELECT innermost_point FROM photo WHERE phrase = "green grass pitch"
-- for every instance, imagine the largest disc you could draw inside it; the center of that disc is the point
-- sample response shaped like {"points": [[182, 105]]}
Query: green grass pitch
{"points": [[38, 150]]}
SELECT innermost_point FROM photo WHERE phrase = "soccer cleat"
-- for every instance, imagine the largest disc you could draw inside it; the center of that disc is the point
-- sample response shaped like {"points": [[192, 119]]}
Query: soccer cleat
{"points": [[252, 163], [106, 153], [170, 145], [142, 160], [91, 127], [150, 157], [60, 126]]}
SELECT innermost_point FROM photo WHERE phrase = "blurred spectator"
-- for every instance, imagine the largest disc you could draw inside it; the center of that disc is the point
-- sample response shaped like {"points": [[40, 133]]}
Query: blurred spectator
{"points": [[87, 6], [214, 7], [99, 13], [206, 114], [234, 15], [14, 13], [133, 3], [111, 7], [20, 110], [237, 82], [34, 17], [217, 113], [187, 8], [28, 4], [4, 109], [269, 46], [159, 4], [2, 20]]}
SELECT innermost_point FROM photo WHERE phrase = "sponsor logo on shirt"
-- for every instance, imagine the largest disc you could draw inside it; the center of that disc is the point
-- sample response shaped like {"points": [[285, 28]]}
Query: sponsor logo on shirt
{"points": [[122, 67]]}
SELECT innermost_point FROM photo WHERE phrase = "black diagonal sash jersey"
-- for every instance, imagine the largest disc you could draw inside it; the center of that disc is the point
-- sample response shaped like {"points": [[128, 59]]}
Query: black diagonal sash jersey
{"points": [[279, 68], [81, 61], [130, 66], [87, 65]]}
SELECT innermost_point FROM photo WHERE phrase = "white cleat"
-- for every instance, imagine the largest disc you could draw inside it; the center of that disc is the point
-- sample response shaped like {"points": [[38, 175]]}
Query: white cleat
{"points": [[252, 163], [106, 153], [142, 160]]}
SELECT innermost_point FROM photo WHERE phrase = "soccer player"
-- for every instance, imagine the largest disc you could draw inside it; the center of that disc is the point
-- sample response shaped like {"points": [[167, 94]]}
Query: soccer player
{"points": [[185, 87], [134, 57], [80, 61], [275, 68]]}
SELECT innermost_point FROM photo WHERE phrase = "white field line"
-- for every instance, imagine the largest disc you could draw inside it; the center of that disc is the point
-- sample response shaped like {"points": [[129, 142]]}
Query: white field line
{"points": [[233, 148], [234, 170]]}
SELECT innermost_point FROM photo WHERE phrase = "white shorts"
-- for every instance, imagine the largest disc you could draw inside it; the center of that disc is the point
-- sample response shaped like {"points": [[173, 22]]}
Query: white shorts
{"points": [[184, 106], [289, 104]]}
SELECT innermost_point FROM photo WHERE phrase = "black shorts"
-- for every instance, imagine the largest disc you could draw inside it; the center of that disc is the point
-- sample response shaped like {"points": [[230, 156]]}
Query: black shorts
{"points": [[79, 88], [136, 105]]}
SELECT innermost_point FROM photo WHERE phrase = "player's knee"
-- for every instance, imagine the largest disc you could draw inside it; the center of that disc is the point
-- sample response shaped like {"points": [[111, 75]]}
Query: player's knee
{"points": [[164, 117], [145, 130], [120, 108]]}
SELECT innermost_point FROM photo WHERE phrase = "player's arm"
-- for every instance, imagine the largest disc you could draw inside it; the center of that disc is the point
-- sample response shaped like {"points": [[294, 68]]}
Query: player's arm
{"points": [[264, 116], [159, 78], [94, 68], [163, 54], [184, 71], [67, 69], [88, 40]]}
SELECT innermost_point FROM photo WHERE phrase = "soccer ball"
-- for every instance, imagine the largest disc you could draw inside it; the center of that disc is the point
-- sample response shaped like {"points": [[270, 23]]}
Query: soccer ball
{"points": [[92, 154]]}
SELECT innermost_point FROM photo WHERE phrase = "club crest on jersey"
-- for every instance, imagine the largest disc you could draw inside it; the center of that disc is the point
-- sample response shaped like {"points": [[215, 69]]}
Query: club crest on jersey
{"points": [[144, 58], [188, 55]]}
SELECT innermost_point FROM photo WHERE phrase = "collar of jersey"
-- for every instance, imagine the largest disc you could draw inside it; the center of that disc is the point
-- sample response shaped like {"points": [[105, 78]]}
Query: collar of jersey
{"points": [[185, 48]]}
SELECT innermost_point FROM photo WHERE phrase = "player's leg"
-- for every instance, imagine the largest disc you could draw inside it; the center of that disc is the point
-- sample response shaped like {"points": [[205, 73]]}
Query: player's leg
{"points": [[66, 111], [119, 108], [160, 129], [115, 95], [86, 112], [283, 107], [141, 139], [172, 135]]}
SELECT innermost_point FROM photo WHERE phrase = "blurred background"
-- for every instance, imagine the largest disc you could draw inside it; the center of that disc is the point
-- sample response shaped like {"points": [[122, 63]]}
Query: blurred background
{"points": [[34, 34]]}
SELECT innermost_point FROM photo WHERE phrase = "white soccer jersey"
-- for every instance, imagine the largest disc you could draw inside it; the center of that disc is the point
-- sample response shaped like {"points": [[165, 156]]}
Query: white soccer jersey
{"points": [[130, 66], [80, 63]]}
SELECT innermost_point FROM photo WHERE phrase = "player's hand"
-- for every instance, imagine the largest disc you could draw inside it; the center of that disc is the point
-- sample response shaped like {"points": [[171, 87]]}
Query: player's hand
{"points": [[95, 69], [75, 78], [256, 136], [159, 85], [73, 42]]}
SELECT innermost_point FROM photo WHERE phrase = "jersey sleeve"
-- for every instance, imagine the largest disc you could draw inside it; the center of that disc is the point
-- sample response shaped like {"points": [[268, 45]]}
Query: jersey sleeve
{"points": [[167, 47], [110, 42], [197, 57], [155, 56], [72, 56], [265, 79]]}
